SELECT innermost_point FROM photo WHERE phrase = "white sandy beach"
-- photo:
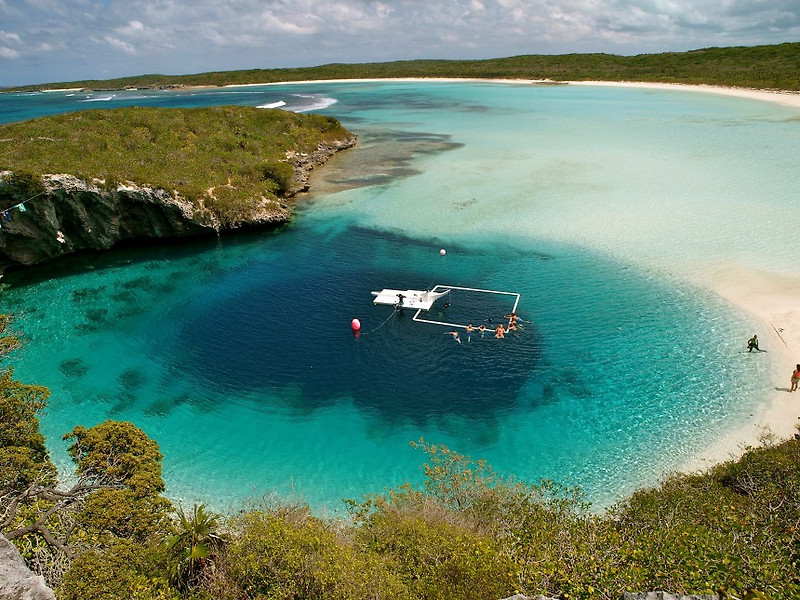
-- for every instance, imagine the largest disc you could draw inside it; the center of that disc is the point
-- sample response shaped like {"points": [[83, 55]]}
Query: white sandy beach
{"points": [[775, 301], [787, 98]]}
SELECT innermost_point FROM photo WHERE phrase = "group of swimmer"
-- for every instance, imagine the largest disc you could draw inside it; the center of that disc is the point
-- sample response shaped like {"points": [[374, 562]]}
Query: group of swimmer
{"points": [[752, 344], [499, 332]]}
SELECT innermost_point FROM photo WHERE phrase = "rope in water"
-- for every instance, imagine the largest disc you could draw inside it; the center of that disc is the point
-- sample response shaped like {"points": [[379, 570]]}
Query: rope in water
{"points": [[394, 312]]}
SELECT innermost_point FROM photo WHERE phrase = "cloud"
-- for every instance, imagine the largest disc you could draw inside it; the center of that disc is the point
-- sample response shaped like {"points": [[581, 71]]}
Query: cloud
{"points": [[273, 22], [8, 53], [10, 37], [57, 40], [118, 44], [131, 28]]}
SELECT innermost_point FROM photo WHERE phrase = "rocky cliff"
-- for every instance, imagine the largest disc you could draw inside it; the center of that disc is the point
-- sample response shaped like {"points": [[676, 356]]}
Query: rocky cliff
{"points": [[16, 581], [73, 215]]}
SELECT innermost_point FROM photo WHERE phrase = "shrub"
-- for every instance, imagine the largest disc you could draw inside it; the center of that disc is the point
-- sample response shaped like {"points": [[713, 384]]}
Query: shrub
{"points": [[290, 554], [280, 174], [23, 184], [731, 530], [126, 570], [438, 558]]}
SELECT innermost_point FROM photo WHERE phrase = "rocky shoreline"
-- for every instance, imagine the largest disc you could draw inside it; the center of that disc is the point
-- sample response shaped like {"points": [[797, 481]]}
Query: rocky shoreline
{"points": [[73, 215]]}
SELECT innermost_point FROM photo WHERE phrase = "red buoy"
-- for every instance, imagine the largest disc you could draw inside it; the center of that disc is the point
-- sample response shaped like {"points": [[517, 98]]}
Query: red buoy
{"points": [[356, 325]]}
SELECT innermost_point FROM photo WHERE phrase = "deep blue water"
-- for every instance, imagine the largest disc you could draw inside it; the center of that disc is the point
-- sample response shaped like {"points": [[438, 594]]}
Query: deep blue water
{"points": [[237, 355]]}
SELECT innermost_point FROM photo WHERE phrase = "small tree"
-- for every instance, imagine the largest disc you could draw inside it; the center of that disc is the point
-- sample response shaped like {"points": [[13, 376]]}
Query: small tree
{"points": [[191, 547]]}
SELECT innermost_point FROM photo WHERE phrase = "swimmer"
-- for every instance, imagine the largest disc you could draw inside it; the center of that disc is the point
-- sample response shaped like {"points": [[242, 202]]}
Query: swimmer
{"points": [[500, 332], [512, 325], [455, 335], [482, 329], [470, 328]]}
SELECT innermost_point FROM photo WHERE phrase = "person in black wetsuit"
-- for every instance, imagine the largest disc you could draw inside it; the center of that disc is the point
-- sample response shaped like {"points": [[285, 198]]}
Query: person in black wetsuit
{"points": [[752, 344]]}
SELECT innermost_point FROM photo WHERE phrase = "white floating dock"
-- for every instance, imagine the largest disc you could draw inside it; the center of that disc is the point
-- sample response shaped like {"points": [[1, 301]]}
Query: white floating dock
{"points": [[511, 295], [420, 300], [414, 299]]}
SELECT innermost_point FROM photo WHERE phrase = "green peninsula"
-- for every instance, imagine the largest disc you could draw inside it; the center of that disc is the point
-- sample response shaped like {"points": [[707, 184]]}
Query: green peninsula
{"points": [[90, 179]]}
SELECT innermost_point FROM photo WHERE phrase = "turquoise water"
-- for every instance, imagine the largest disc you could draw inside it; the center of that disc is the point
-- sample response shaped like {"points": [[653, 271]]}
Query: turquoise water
{"points": [[596, 205]]}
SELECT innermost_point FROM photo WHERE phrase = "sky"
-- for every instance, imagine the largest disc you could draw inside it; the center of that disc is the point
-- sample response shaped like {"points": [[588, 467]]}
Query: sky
{"points": [[46, 41]]}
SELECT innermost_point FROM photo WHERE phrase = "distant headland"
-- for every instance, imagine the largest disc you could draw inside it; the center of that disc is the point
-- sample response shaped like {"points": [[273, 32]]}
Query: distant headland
{"points": [[763, 67]]}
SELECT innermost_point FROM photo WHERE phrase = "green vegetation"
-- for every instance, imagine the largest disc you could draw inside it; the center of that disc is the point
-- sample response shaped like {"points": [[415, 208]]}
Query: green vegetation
{"points": [[774, 66], [468, 533], [197, 537], [226, 160]]}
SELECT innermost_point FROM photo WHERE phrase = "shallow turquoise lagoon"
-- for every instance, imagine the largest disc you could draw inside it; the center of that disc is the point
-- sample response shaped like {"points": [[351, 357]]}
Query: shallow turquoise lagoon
{"points": [[594, 204]]}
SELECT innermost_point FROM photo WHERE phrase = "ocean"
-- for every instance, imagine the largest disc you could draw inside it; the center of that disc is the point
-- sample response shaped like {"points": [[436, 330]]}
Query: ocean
{"points": [[597, 205]]}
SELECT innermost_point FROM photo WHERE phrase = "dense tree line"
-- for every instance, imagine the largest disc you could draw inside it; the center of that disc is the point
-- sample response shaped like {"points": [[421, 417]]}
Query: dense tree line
{"points": [[773, 66]]}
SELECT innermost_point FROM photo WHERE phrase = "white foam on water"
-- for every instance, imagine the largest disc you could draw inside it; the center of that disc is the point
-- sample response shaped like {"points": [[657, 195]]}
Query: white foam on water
{"points": [[100, 99], [277, 104], [317, 102]]}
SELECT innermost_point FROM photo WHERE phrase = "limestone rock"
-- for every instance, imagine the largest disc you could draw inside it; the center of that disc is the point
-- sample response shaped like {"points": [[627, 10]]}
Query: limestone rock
{"points": [[304, 163], [73, 215], [16, 581]]}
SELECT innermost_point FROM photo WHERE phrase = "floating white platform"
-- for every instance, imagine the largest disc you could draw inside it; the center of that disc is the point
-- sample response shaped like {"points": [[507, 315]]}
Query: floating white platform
{"points": [[414, 299], [512, 295]]}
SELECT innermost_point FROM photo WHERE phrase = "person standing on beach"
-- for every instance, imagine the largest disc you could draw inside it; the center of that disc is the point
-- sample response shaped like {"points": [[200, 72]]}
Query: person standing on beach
{"points": [[752, 343], [795, 378]]}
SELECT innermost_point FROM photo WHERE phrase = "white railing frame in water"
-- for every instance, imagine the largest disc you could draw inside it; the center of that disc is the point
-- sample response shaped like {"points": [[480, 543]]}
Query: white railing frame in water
{"points": [[456, 287]]}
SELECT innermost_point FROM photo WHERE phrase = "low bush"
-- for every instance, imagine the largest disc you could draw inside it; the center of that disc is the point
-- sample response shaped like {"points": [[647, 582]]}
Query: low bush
{"points": [[291, 554]]}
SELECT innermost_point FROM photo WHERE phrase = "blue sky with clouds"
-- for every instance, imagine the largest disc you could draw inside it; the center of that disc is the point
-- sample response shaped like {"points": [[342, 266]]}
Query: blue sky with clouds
{"points": [[62, 40]]}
